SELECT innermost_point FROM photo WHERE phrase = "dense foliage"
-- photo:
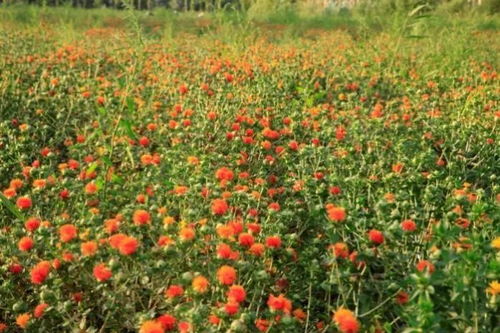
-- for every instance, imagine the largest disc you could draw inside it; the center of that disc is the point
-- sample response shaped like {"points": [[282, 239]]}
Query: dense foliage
{"points": [[314, 184]]}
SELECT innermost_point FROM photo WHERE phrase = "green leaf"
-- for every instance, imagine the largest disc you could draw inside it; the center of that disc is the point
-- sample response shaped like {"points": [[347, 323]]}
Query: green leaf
{"points": [[130, 104], [10, 207], [127, 127]]}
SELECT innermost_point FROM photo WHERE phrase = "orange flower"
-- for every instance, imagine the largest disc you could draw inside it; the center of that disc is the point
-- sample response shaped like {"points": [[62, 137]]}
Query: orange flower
{"points": [[224, 174], [23, 203], [40, 272], [257, 249], [115, 240], [187, 234], [340, 250], [200, 284], [336, 214], [23, 320], [141, 217], [128, 246], [151, 326], [346, 321], [226, 275], [219, 206], [67, 232], [102, 273], [25, 244], [91, 188], [89, 248], [397, 168]]}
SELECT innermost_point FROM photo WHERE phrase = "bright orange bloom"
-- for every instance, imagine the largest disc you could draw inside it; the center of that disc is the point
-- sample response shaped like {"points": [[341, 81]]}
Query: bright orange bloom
{"points": [[336, 214], [187, 234], [226, 275], [128, 246], [397, 168], [90, 188], [151, 326], [200, 284], [88, 248], [23, 320], [257, 249], [67, 232], [346, 321], [116, 239]]}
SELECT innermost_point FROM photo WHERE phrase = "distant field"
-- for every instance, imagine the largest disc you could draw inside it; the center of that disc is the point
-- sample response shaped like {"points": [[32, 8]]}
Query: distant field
{"points": [[248, 171]]}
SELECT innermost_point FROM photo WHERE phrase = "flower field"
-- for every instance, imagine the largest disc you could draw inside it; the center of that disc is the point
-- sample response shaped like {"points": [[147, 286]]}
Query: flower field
{"points": [[321, 183]]}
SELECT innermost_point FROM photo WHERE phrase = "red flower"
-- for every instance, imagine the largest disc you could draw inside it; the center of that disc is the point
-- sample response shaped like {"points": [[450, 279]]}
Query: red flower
{"points": [[231, 307], [376, 236], [245, 239], [224, 174], [236, 293], [167, 321], [25, 244], [40, 309], [141, 217], [32, 224], [40, 272], [423, 265], [273, 242], [23, 203], [402, 298], [280, 303], [174, 291], [408, 225], [262, 324], [274, 206], [102, 273]]}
